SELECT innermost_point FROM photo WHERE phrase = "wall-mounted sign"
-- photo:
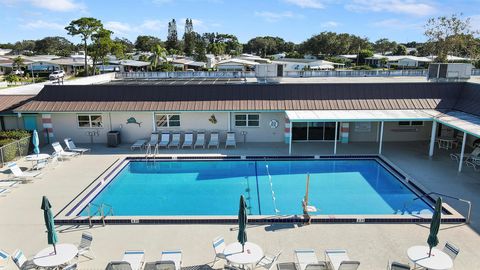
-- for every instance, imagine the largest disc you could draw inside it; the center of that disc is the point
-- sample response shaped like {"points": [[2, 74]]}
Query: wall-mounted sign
{"points": [[273, 123], [363, 127], [132, 120], [213, 119]]}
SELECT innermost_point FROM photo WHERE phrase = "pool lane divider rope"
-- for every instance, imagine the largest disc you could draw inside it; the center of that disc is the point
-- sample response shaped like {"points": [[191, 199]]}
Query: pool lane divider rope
{"points": [[271, 189], [258, 191]]}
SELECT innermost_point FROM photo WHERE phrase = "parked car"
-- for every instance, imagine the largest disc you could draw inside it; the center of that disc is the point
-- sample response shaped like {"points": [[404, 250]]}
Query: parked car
{"points": [[18, 72], [56, 75]]}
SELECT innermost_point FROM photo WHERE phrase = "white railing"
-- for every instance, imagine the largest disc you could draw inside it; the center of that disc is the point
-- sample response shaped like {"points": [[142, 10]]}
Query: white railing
{"points": [[184, 74], [357, 73]]}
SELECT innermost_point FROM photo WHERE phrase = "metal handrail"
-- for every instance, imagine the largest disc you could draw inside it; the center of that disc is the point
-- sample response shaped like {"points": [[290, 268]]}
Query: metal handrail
{"points": [[469, 203], [100, 209]]}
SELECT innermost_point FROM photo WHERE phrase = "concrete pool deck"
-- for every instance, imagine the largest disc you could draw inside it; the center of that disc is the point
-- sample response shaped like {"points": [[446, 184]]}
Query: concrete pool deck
{"points": [[21, 225]]}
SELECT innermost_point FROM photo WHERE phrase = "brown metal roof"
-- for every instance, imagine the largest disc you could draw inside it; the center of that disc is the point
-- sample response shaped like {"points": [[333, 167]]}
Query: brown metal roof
{"points": [[245, 97], [469, 100], [10, 102]]}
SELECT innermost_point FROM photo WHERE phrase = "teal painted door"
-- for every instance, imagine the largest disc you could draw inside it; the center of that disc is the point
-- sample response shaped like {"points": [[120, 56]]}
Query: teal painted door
{"points": [[30, 122]]}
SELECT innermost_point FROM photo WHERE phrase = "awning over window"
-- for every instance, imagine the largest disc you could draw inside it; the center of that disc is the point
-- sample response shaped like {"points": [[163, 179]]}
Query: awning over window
{"points": [[361, 115]]}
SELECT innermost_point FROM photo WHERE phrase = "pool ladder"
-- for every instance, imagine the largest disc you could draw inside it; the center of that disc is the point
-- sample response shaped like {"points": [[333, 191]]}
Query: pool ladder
{"points": [[469, 203], [99, 209], [153, 154]]}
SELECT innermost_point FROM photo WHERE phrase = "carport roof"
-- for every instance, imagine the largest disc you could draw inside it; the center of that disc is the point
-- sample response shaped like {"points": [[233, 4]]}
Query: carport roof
{"points": [[361, 115], [462, 121]]}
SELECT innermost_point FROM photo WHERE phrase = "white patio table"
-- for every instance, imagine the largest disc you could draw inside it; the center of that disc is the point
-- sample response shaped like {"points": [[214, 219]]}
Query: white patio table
{"points": [[439, 260], [47, 258], [36, 158], [251, 254]]}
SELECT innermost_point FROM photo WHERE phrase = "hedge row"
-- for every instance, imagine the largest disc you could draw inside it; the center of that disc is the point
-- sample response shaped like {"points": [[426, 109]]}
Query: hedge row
{"points": [[11, 151]]}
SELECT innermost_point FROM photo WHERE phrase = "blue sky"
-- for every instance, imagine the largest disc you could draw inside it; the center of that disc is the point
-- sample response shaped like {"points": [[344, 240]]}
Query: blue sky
{"points": [[294, 20]]}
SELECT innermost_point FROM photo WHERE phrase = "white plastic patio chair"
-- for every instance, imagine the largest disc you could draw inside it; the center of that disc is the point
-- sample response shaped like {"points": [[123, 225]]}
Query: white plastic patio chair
{"points": [[339, 259], [231, 141], [21, 175], [175, 140], [305, 257], [21, 261], [268, 261], [397, 266], [214, 142], [165, 140], [85, 246], [219, 248], [188, 140], [174, 256], [62, 153], [200, 140], [451, 250], [72, 147]]}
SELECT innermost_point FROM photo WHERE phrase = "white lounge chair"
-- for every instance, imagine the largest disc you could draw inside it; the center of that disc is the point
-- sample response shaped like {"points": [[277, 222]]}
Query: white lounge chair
{"points": [[153, 140], [200, 140], [214, 142], [339, 260], [62, 153], [473, 162], [175, 140], [160, 265], [85, 246], [8, 184], [305, 257], [174, 256], [21, 175], [72, 147], [451, 250], [21, 261], [219, 248], [4, 256], [3, 192], [268, 261], [467, 156], [188, 140], [165, 140], [138, 144], [132, 260], [231, 141]]}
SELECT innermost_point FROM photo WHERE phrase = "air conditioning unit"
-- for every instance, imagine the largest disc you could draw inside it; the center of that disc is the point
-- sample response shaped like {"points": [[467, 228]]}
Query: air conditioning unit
{"points": [[268, 73], [444, 72]]}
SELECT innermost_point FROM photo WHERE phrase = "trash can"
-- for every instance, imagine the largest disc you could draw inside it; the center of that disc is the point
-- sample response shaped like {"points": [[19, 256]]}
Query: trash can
{"points": [[113, 138]]}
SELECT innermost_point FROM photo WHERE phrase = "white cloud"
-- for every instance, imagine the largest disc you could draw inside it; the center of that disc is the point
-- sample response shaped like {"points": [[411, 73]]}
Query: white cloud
{"points": [[40, 24], [58, 5], [397, 24], [411, 7], [118, 28], [306, 3], [330, 24], [274, 16], [153, 25]]}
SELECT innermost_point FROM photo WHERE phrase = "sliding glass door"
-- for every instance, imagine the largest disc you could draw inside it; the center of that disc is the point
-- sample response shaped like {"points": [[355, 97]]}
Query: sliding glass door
{"points": [[313, 131]]}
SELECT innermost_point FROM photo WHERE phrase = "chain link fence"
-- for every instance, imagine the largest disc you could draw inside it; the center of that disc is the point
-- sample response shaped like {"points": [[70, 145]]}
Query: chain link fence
{"points": [[15, 150]]}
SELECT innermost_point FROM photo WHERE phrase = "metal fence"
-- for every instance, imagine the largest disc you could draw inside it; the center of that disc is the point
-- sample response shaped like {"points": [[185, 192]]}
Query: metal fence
{"points": [[357, 73], [14, 150], [184, 74]]}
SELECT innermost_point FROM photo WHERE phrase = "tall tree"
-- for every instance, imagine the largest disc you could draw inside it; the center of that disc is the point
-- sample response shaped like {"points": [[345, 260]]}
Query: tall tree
{"points": [[200, 49], [101, 46], [126, 45], [447, 34], [172, 37], [85, 27], [18, 62], [189, 37], [26, 47], [146, 43], [54, 45], [400, 50], [331, 44], [384, 45], [158, 53]]}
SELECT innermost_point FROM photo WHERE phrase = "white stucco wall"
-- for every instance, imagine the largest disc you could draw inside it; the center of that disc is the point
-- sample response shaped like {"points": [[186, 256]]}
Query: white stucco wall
{"points": [[263, 133], [392, 132], [12, 122]]}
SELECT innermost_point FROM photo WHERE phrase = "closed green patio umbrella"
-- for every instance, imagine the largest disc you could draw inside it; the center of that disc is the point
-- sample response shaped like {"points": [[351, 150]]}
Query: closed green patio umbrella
{"points": [[435, 226], [35, 142], [49, 223], [242, 222]]}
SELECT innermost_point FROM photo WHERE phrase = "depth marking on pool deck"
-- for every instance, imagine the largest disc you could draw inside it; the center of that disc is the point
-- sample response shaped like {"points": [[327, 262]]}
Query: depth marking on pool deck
{"points": [[258, 192]]}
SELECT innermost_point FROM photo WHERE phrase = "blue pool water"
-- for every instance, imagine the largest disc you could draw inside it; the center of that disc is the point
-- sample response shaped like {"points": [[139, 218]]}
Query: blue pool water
{"points": [[357, 187]]}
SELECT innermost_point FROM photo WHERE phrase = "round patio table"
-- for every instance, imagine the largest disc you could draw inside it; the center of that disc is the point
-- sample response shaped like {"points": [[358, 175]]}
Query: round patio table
{"points": [[439, 260], [36, 158], [46, 257], [251, 254]]}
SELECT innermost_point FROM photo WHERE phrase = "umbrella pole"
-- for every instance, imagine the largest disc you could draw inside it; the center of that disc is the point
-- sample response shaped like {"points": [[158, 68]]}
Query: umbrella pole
{"points": [[54, 249]]}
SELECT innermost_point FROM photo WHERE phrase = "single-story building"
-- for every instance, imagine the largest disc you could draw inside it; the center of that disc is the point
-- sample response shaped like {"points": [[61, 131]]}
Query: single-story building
{"points": [[302, 113], [11, 120], [236, 64], [291, 64]]}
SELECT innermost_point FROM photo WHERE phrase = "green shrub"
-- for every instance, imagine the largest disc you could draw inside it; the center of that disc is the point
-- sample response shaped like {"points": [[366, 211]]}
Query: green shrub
{"points": [[15, 134], [362, 67]]}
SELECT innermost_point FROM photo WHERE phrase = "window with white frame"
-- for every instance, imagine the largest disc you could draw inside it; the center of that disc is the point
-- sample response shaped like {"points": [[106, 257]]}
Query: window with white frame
{"points": [[410, 123], [247, 120], [167, 120], [90, 121]]}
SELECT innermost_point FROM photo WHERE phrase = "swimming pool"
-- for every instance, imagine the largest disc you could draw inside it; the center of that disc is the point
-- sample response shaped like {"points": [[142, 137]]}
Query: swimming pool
{"points": [[271, 187]]}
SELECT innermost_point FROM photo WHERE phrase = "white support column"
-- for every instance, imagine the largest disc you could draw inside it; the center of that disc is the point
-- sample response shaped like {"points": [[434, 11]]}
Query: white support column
{"points": [[154, 126], [290, 139], [336, 137], [229, 121], [381, 139], [460, 163], [432, 139]]}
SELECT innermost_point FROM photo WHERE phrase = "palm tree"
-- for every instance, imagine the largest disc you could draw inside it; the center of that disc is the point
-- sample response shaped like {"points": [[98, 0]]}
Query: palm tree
{"points": [[17, 63], [158, 52]]}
